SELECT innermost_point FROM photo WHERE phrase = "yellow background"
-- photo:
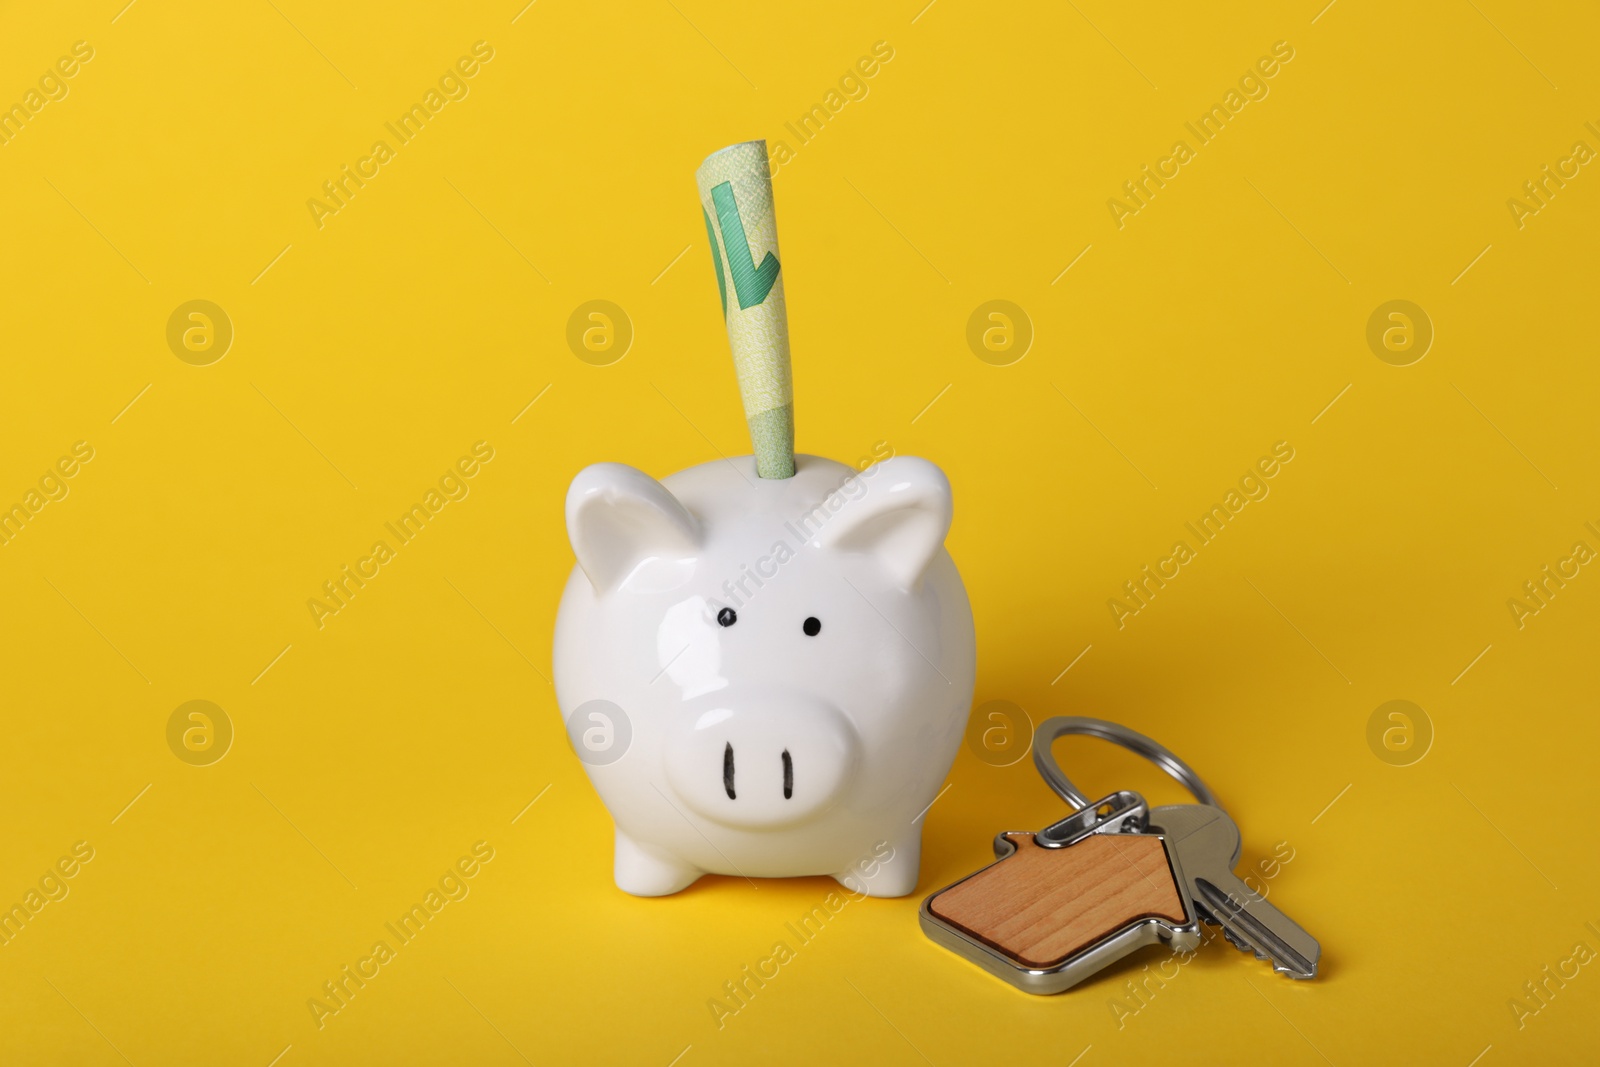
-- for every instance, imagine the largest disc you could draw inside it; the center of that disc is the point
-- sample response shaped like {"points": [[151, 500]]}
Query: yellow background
{"points": [[425, 316]]}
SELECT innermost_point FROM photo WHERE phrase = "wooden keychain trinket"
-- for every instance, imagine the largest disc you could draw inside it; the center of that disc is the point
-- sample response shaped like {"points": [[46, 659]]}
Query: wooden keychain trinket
{"points": [[1058, 905]]}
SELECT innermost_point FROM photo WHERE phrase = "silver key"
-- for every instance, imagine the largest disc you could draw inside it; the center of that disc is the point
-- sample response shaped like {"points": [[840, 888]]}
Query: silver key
{"points": [[1207, 842]]}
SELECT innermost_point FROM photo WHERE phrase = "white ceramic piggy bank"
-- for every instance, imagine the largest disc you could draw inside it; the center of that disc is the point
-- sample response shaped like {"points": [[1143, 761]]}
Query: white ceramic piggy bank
{"points": [[765, 678]]}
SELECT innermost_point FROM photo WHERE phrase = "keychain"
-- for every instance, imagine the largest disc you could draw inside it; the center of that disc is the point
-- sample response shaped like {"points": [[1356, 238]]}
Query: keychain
{"points": [[1059, 905]]}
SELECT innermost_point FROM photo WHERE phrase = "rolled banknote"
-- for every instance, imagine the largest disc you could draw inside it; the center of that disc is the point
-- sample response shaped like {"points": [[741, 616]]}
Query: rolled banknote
{"points": [[736, 198]]}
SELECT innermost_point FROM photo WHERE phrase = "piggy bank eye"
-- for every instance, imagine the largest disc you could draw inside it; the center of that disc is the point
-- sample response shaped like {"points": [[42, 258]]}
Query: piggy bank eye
{"points": [[727, 617], [812, 626]]}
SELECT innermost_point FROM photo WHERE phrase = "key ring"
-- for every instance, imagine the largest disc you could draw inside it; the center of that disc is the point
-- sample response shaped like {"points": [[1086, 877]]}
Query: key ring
{"points": [[1117, 734]]}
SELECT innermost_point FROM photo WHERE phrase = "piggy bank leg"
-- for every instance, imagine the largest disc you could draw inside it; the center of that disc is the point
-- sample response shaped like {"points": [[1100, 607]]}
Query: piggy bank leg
{"points": [[891, 873], [649, 874]]}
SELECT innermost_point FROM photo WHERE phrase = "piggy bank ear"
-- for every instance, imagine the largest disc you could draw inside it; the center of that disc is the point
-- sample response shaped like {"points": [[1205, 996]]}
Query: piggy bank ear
{"points": [[619, 517], [901, 518]]}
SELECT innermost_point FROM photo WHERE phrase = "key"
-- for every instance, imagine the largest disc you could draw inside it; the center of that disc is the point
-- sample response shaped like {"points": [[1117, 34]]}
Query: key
{"points": [[1207, 843], [1059, 905]]}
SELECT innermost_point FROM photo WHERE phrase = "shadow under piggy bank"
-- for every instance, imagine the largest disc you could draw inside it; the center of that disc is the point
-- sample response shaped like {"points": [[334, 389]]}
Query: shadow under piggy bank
{"points": [[766, 678]]}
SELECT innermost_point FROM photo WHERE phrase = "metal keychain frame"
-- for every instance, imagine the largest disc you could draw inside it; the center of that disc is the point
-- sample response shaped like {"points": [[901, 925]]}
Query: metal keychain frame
{"points": [[1116, 812]]}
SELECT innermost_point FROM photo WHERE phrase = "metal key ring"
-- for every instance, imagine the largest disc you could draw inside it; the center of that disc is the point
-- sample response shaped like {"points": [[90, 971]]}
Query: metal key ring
{"points": [[1117, 734]]}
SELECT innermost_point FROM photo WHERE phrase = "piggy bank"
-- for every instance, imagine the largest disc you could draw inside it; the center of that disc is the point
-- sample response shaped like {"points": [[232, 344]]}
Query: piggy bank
{"points": [[765, 678]]}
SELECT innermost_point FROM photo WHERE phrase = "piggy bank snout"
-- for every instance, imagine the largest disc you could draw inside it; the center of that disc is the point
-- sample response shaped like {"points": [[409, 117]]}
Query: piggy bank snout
{"points": [[763, 764]]}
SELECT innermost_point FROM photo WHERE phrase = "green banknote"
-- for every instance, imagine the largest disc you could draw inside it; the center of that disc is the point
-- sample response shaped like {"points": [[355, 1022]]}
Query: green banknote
{"points": [[736, 197]]}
